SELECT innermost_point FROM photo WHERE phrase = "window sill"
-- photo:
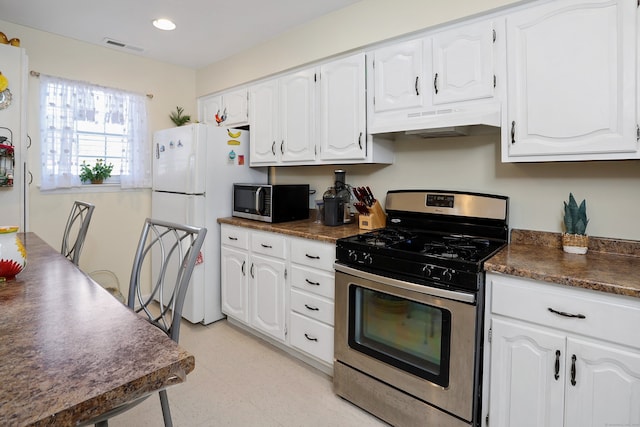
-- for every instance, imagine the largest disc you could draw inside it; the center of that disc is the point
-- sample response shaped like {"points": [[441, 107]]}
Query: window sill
{"points": [[91, 188]]}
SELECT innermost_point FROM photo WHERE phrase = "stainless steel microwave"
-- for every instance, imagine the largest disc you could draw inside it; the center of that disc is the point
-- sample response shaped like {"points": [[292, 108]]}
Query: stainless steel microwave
{"points": [[271, 203]]}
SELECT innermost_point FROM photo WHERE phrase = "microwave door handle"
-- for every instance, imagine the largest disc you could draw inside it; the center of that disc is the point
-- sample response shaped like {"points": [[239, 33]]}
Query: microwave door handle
{"points": [[258, 194]]}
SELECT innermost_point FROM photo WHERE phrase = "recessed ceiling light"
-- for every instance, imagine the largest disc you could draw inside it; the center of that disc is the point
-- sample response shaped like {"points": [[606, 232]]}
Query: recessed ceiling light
{"points": [[164, 24]]}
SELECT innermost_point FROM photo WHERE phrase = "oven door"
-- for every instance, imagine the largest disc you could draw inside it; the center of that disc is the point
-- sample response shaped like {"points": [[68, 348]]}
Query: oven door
{"points": [[418, 339]]}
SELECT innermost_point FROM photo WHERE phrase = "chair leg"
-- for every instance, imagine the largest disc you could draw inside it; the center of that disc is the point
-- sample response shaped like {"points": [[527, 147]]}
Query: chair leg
{"points": [[166, 412]]}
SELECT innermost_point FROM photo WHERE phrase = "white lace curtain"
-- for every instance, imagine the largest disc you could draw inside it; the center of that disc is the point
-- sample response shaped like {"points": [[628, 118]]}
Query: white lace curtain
{"points": [[64, 103]]}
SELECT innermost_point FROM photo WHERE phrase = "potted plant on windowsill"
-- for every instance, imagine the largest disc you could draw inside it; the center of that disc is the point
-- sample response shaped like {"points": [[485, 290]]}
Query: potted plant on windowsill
{"points": [[575, 239], [97, 173]]}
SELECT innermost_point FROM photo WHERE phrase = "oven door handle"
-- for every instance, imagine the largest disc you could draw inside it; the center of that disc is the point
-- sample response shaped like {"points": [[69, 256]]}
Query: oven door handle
{"points": [[426, 290]]}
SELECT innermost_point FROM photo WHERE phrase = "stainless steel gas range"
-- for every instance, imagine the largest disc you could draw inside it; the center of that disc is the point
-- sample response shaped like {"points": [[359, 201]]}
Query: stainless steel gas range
{"points": [[409, 303]]}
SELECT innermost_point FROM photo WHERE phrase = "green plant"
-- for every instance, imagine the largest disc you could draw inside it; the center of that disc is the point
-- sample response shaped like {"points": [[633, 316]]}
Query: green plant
{"points": [[575, 217], [178, 118], [98, 172]]}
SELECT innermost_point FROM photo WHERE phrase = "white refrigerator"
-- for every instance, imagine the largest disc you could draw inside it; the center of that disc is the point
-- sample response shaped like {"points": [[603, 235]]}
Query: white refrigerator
{"points": [[194, 168]]}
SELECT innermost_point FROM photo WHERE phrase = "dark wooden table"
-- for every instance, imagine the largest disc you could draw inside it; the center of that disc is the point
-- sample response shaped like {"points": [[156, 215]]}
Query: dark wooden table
{"points": [[69, 350]]}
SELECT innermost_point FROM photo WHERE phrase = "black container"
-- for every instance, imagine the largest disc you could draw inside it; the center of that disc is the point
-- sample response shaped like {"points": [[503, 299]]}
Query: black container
{"points": [[333, 208]]}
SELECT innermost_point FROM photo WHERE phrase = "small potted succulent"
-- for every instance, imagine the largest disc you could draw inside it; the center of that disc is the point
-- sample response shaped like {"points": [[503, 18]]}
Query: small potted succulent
{"points": [[574, 238], [97, 173]]}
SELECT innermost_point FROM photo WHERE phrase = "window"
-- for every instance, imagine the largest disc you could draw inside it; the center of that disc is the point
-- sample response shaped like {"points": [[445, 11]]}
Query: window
{"points": [[84, 122]]}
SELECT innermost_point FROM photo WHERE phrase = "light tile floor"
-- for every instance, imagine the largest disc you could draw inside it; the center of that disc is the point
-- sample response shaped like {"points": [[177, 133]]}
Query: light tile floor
{"points": [[240, 380]]}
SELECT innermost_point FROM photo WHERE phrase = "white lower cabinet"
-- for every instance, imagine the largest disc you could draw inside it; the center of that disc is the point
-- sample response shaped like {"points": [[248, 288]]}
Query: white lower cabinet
{"points": [[312, 291], [253, 271], [562, 356], [281, 287]]}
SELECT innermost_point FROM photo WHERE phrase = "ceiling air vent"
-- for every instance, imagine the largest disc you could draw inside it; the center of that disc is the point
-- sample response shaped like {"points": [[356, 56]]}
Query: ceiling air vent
{"points": [[121, 45]]}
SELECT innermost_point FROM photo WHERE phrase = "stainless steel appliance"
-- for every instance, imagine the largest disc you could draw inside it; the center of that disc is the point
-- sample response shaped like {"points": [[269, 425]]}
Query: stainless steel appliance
{"points": [[409, 303], [271, 203]]}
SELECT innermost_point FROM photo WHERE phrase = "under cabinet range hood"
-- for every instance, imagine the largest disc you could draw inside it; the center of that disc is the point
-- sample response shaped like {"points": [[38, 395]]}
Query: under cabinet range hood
{"points": [[439, 123]]}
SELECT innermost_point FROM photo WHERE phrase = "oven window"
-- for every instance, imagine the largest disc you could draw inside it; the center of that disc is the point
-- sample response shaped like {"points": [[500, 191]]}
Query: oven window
{"points": [[409, 335]]}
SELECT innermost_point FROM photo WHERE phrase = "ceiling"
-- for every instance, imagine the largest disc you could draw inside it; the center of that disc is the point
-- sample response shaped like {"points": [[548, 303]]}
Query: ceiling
{"points": [[207, 30]]}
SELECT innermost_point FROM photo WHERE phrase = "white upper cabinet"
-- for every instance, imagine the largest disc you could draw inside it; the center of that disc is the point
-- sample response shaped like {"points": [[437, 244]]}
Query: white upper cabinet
{"points": [[228, 109], [571, 82], [342, 119], [399, 76], [264, 123], [463, 63], [297, 115], [444, 79], [314, 116]]}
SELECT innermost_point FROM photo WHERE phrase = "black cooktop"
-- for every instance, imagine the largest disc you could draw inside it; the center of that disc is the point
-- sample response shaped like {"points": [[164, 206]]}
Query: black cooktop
{"points": [[433, 237]]}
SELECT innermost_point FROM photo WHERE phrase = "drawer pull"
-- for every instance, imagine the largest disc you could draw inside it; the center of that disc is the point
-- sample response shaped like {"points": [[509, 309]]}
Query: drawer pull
{"points": [[312, 283], [310, 338], [266, 246], [311, 308], [565, 314], [557, 373], [232, 238], [573, 369], [244, 263], [312, 256]]}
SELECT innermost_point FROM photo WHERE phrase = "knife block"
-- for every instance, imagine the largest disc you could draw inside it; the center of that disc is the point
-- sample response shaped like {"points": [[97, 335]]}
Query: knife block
{"points": [[376, 218]]}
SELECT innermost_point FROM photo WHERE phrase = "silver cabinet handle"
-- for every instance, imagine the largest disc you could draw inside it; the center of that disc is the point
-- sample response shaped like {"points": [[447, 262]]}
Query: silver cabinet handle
{"points": [[266, 246], [360, 140], [251, 271], [282, 147], [232, 238], [435, 83], [243, 264], [312, 283], [311, 308], [417, 90], [273, 148]]}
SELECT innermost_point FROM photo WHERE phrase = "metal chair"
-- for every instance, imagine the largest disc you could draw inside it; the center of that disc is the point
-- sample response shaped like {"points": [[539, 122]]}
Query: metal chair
{"points": [[174, 250], [76, 230]]}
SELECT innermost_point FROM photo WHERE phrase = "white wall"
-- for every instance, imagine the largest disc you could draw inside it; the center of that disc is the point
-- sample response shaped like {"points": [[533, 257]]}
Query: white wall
{"points": [[537, 190], [119, 215]]}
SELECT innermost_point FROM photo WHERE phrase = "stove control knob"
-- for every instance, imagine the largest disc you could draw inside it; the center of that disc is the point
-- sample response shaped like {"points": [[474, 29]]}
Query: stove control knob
{"points": [[447, 275], [352, 255], [367, 259], [427, 270]]}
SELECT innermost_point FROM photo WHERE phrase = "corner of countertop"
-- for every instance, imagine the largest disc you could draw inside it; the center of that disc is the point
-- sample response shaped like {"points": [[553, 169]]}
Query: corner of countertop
{"points": [[596, 244]]}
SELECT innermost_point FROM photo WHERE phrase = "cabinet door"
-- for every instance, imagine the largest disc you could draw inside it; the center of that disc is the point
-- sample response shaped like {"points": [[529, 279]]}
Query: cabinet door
{"points": [[234, 285], [463, 63], [263, 103], [526, 390], [571, 81], [297, 100], [606, 390], [267, 295], [236, 108], [209, 107], [398, 76], [343, 109]]}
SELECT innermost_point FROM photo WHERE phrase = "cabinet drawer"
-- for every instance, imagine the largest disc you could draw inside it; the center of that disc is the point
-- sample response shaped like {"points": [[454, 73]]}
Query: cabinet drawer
{"points": [[234, 236], [313, 253], [314, 281], [316, 307], [312, 337], [607, 317], [268, 244]]}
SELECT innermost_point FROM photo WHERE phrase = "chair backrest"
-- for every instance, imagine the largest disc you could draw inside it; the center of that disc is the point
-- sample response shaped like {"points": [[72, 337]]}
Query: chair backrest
{"points": [[173, 251], [76, 230]]}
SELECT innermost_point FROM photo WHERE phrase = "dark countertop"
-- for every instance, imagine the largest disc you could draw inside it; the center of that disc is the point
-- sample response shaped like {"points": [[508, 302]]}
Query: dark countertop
{"points": [[69, 351], [306, 228], [610, 265]]}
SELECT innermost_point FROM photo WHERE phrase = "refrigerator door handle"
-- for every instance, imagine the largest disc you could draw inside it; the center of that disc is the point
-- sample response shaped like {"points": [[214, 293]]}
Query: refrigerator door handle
{"points": [[157, 150]]}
